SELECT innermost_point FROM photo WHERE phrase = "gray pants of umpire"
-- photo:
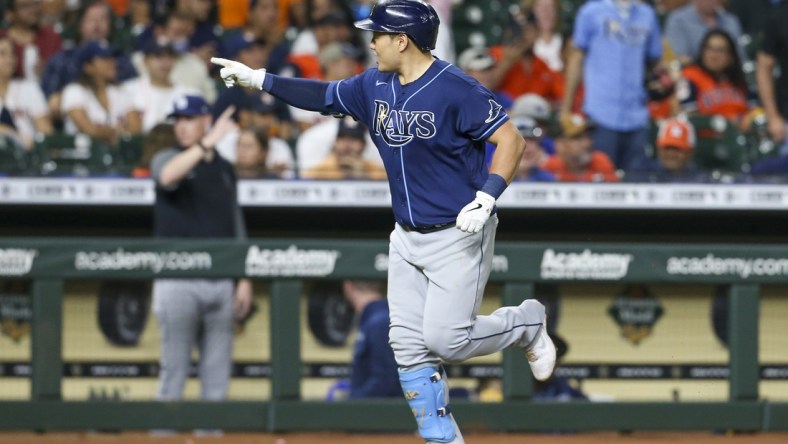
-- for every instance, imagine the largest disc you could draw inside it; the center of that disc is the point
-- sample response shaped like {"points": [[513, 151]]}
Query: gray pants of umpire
{"points": [[194, 312]]}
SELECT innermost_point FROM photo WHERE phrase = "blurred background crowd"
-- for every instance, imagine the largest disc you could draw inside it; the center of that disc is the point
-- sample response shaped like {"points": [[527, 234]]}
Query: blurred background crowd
{"points": [[602, 90]]}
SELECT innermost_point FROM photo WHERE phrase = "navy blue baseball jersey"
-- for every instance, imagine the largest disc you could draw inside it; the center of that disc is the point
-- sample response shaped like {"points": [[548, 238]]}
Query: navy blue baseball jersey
{"points": [[430, 134]]}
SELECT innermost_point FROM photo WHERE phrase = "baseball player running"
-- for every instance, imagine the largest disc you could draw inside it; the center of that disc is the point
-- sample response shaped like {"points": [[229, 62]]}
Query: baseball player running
{"points": [[429, 121]]}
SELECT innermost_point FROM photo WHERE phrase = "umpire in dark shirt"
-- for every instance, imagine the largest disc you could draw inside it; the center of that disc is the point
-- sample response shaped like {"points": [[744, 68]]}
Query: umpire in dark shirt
{"points": [[373, 372], [196, 198]]}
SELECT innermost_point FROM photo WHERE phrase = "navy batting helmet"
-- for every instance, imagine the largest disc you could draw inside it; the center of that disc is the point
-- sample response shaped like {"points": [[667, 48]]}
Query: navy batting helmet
{"points": [[414, 18]]}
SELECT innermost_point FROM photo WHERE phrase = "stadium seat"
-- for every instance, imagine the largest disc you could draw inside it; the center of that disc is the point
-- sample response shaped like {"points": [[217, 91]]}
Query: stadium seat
{"points": [[466, 26], [553, 124], [61, 154], [760, 144], [480, 23], [750, 43], [567, 14], [129, 150], [651, 144], [721, 146], [12, 157], [749, 77]]}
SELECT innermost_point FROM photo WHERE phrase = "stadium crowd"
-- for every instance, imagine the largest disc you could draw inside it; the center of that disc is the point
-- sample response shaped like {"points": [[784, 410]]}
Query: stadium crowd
{"points": [[602, 90]]}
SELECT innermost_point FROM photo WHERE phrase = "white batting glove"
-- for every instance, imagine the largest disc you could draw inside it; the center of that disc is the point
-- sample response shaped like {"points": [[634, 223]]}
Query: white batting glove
{"points": [[473, 217], [236, 73]]}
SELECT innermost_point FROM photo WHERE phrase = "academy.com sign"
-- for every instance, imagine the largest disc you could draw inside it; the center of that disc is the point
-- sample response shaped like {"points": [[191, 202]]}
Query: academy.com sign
{"points": [[584, 265], [122, 260], [711, 265], [16, 261], [292, 261]]}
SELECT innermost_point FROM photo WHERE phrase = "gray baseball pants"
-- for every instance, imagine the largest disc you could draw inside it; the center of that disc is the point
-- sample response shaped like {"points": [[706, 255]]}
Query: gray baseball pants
{"points": [[194, 312], [435, 287]]}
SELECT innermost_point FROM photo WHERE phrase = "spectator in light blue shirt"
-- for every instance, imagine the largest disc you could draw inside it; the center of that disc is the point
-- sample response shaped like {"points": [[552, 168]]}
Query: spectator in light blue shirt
{"points": [[686, 26], [614, 43]]}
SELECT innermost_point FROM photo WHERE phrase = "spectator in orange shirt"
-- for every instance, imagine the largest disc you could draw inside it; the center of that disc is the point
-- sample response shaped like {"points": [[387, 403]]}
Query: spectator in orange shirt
{"points": [[519, 71], [675, 146], [715, 83], [575, 160]]}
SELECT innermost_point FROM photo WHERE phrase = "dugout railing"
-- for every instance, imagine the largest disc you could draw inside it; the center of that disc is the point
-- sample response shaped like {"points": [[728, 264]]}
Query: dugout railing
{"points": [[287, 263]]}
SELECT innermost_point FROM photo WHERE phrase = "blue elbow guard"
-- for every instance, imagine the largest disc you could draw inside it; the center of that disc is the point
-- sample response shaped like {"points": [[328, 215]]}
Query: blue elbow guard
{"points": [[427, 394]]}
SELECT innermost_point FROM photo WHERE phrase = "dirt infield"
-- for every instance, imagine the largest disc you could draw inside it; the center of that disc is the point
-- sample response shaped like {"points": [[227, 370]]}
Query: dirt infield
{"points": [[337, 438]]}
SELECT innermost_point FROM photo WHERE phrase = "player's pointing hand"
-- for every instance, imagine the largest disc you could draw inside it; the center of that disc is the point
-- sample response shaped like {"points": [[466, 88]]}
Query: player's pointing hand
{"points": [[233, 73]]}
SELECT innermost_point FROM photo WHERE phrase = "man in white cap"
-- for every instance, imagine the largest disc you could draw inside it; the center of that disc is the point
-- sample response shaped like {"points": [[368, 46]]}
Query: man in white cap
{"points": [[534, 106]]}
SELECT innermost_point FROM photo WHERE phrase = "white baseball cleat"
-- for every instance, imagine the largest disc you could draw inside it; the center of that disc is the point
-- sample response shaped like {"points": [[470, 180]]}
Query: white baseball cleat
{"points": [[541, 354]]}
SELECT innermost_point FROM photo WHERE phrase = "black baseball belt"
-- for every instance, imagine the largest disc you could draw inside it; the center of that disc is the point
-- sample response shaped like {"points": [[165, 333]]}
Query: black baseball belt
{"points": [[428, 229]]}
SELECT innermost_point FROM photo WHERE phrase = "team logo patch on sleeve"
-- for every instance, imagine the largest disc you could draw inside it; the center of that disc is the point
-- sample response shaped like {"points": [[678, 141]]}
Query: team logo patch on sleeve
{"points": [[495, 110]]}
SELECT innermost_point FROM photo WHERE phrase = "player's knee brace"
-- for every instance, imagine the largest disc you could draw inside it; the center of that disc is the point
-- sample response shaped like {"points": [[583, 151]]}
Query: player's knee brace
{"points": [[428, 394]]}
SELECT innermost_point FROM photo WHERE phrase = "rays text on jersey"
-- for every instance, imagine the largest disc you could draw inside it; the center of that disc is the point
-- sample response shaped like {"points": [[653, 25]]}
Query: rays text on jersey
{"points": [[398, 127]]}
